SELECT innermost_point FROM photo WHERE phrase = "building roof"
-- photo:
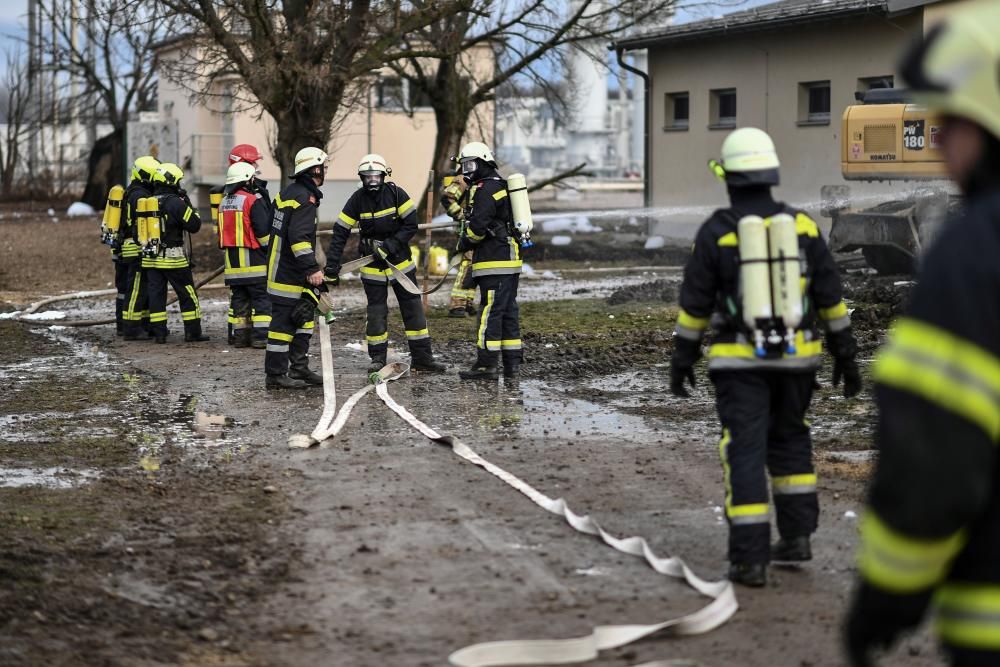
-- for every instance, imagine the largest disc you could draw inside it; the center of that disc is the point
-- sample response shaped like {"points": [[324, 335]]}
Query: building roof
{"points": [[772, 16]]}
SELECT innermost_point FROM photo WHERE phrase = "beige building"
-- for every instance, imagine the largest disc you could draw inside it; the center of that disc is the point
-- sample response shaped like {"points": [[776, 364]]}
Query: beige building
{"points": [[392, 123], [790, 68]]}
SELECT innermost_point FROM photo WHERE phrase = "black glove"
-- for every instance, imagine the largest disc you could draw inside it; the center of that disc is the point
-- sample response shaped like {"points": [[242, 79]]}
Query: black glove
{"points": [[393, 248], [331, 275], [847, 369], [366, 246], [686, 354], [877, 618]]}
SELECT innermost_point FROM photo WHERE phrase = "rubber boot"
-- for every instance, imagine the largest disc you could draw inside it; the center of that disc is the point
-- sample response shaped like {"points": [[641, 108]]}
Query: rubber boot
{"points": [[376, 364], [258, 343], [456, 307], [481, 372], [511, 369], [283, 382], [426, 362], [241, 338], [753, 575], [792, 550], [457, 312], [298, 368], [193, 334]]}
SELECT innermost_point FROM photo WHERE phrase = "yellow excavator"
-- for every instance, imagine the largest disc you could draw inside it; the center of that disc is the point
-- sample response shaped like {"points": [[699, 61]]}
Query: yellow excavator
{"points": [[888, 138]]}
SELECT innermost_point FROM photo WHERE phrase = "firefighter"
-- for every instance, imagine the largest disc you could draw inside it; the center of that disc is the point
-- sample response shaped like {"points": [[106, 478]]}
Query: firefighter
{"points": [[293, 275], [463, 290], [249, 154], [496, 264], [761, 394], [170, 264], [386, 218], [930, 536], [244, 232], [132, 285]]}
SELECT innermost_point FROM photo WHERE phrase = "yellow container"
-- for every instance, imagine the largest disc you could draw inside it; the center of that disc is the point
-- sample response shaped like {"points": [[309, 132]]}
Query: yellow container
{"points": [[415, 254], [438, 261]]}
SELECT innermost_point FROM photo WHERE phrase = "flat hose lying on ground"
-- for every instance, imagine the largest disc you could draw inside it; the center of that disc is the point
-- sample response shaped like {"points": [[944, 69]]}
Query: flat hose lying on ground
{"points": [[535, 651], [84, 295]]}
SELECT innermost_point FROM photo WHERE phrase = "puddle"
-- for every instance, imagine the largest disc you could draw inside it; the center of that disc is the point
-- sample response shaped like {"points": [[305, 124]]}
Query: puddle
{"points": [[51, 478]]}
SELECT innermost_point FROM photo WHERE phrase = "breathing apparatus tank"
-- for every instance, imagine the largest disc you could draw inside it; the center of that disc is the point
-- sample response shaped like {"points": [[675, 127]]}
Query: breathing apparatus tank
{"points": [[785, 274], [771, 294], [112, 220], [214, 199], [149, 226], [520, 208]]}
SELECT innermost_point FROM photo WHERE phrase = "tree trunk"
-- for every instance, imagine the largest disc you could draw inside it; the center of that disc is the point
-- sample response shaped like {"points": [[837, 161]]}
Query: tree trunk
{"points": [[297, 129], [105, 167]]}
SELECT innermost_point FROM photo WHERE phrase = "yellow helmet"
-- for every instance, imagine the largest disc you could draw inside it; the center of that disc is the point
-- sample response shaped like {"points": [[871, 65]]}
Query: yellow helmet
{"points": [[309, 157], [955, 68], [144, 168], [748, 157], [169, 173]]}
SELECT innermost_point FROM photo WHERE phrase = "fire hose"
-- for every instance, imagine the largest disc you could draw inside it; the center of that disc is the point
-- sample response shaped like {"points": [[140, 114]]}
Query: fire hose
{"points": [[33, 308], [535, 651]]}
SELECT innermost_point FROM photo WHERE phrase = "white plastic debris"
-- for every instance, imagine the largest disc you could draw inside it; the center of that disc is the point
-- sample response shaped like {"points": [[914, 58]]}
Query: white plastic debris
{"points": [[654, 243], [354, 346], [611, 317], [78, 208], [52, 212], [561, 240], [849, 514]]}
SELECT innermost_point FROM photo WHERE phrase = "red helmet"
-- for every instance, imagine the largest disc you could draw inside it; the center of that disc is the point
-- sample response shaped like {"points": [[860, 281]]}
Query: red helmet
{"points": [[244, 153]]}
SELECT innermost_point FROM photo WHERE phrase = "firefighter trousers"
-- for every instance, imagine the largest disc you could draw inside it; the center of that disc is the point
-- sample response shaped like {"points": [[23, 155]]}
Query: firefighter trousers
{"points": [[288, 335], [187, 298], [135, 312], [121, 286], [411, 308], [764, 431], [249, 308], [499, 328]]}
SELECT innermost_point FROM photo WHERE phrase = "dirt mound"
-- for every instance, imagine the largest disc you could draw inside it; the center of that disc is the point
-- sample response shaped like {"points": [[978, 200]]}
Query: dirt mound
{"points": [[657, 290], [875, 303]]}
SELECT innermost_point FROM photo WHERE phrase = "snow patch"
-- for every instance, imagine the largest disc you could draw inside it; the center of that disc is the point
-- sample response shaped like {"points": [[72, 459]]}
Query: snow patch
{"points": [[78, 208], [561, 240], [575, 224], [654, 243]]}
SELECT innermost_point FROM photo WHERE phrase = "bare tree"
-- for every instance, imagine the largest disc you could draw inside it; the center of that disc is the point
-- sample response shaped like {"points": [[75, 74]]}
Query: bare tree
{"points": [[297, 60], [108, 56], [529, 40], [14, 102]]}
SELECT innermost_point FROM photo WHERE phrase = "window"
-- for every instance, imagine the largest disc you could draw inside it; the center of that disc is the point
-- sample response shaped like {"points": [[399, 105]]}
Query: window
{"points": [[389, 94], [814, 103], [677, 111], [722, 109], [872, 82], [418, 98]]}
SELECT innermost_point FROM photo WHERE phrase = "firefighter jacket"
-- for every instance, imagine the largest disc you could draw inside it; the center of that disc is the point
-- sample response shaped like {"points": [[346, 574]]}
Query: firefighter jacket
{"points": [[292, 254], [388, 213], [488, 220], [244, 232], [932, 528], [176, 217], [710, 294], [128, 231]]}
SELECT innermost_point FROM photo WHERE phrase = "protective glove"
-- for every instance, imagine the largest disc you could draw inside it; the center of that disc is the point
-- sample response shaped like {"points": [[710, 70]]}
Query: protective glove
{"points": [[366, 246], [393, 248], [848, 370], [686, 354], [876, 619], [331, 275]]}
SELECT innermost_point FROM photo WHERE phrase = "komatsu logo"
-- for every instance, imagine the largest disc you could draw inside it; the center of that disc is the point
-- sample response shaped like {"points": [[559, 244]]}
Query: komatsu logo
{"points": [[882, 157]]}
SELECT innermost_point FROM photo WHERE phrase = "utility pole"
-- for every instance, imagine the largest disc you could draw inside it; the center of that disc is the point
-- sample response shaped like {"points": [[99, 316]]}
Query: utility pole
{"points": [[33, 84]]}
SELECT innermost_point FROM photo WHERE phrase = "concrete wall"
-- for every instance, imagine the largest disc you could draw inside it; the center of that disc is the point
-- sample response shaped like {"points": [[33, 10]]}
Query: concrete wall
{"points": [[766, 69]]}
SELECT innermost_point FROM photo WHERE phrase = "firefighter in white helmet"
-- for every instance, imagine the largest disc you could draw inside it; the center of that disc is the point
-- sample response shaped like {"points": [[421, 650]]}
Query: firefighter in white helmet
{"points": [[496, 264], [763, 383], [294, 275], [386, 218], [930, 535]]}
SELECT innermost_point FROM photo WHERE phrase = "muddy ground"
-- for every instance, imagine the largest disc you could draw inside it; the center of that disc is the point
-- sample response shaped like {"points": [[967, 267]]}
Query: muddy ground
{"points": [[151, 513]]}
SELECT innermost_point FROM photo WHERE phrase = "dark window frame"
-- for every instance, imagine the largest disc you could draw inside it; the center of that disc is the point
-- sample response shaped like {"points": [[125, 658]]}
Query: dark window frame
{"points": [[675, 104], [720, 100]]}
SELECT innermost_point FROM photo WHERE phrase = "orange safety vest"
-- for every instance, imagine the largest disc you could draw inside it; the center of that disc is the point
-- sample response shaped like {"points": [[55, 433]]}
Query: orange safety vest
{"points": [[235, 230]]}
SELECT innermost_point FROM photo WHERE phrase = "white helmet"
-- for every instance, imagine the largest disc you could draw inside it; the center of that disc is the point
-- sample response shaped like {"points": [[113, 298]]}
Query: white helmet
{"points": [[748, 157], [372, 163], [309, 157], [475, 149], [240, 172]]}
